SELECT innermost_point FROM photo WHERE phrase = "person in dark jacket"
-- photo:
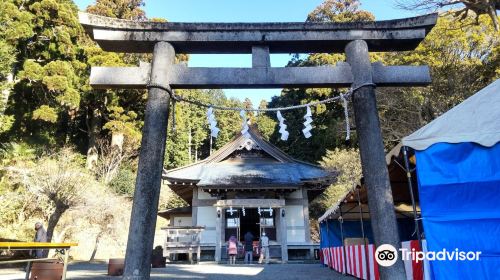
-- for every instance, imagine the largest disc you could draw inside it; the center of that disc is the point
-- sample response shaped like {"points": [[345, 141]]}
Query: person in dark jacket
{"points": [[248, 247], [40, 236]]}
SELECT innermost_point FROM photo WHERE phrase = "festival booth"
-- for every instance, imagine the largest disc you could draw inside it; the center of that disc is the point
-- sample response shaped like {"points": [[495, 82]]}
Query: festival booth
{"points": [[458, 171], [345, 229]]}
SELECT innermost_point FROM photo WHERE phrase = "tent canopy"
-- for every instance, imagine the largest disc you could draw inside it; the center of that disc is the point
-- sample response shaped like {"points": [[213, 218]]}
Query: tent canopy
{"points": [[475, 120], [458, 163]]}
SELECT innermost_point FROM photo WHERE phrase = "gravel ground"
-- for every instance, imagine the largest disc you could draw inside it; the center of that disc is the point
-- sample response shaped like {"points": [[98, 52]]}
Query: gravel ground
{"points": [[208, 271]]}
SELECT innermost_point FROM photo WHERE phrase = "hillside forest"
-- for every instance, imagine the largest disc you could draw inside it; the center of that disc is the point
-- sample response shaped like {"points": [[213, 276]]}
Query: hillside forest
{"points": [[69, 153]]}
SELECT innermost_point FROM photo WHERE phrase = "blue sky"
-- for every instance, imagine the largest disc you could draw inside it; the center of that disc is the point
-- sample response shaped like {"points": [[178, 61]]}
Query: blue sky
{"points": [[248, 11]]}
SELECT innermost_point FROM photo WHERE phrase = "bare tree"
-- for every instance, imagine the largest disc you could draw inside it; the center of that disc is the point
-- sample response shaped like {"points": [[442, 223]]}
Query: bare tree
{"points": [[463, 7], [56, 182], [101, 212], [110, 158]]}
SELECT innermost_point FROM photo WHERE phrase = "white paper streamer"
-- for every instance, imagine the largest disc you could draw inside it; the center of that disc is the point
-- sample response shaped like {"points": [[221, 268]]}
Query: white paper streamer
{"points": [[307, 124], [245, 128], [284, 133], [346, 115], [214, 130], [231, 210]]}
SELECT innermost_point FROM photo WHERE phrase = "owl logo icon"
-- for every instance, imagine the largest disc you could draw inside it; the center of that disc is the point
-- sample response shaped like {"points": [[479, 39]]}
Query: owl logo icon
{"points": [[386, 255]]}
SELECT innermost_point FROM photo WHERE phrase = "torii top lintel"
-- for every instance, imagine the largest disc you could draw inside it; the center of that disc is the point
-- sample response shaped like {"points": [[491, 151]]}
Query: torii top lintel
{"points": [[140, 37]]}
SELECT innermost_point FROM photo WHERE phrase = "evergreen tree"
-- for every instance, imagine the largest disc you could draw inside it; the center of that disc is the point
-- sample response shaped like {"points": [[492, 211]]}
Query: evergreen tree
{"points": [[48, 74], [328, 126]]}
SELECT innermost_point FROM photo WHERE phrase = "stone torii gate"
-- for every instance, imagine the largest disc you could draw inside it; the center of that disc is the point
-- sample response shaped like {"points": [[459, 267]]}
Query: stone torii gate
{"points": [[164, 40]]}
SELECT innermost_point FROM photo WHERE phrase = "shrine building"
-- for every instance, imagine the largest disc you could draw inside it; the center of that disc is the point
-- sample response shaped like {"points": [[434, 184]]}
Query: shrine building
{"points": [[249, 185]]}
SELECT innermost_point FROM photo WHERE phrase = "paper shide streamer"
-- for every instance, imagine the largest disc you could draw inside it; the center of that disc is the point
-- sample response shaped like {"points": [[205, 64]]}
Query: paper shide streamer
{"points": [[282, 125], [346, 116], [214, 130], [307, 124], [243, 112], [245, 128]]}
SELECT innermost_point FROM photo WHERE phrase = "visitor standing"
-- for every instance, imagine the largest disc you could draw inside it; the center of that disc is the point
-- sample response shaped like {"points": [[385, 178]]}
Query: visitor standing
{"points": [[248, 247], [40, 236], [264, 250], [232, 249]]}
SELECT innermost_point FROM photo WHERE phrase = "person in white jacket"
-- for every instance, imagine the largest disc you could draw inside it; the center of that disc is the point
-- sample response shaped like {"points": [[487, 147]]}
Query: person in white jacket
{"points": [[264, 248]]}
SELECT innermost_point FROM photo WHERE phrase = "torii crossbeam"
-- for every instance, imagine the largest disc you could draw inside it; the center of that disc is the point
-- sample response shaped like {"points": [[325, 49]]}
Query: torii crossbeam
{"points": [[164, 40]]}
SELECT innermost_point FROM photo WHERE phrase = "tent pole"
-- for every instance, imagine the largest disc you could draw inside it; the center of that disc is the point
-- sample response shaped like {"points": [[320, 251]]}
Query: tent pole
{"points": [[341, 221], [363, 232], [410, 186], [412, 196], [320, 238]]}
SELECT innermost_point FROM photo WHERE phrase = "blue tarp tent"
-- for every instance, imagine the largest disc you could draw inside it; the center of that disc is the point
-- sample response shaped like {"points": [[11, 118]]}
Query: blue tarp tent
{"points": [[458, 169], [331, 235]]}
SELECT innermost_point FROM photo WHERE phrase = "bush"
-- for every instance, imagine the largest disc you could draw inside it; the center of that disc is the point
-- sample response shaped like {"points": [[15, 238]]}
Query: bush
{"points": [[124, 182]]}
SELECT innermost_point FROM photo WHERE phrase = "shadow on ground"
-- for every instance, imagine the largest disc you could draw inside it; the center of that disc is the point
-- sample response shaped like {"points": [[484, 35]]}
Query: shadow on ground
{"points": [[206, 271]]}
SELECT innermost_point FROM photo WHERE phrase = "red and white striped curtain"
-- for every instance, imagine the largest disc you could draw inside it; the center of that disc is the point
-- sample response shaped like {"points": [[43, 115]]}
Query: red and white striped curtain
{"points": [[359, 261], [356, 260], [325, 256], [414, 270]]}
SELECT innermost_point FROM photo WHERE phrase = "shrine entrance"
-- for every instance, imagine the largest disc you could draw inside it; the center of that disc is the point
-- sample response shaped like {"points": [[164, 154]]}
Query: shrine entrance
{"points": [[238, 224], [163, 75]]}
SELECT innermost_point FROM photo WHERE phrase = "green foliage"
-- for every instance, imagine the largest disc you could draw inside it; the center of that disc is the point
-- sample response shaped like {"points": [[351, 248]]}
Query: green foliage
{"points": [[124, 9], [6, 123], [462, 58], [45, 113], [124, 182], [48, 74], [15, 23], [339, 11], [170, 200], [124, 122], [32, 72], [45, 60], [347, 164], [265, 124], [7, 59], [328, 119], [191, 123]]}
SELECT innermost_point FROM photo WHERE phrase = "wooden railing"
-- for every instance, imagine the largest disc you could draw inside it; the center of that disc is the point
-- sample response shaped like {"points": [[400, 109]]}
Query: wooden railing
{"points": [[183, 240]]}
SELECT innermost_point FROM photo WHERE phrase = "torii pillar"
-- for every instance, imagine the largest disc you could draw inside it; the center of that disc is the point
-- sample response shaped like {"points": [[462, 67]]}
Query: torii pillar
{"points": [[371, 148], [148, 181]]}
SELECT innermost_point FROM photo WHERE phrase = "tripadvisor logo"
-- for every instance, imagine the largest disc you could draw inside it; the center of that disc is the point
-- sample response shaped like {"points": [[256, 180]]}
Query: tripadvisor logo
{"points": [[387, 255]]}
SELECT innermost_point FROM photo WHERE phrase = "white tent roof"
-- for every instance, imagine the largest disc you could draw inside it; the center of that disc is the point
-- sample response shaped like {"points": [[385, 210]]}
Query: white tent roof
{"points": [[477, 120]]}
